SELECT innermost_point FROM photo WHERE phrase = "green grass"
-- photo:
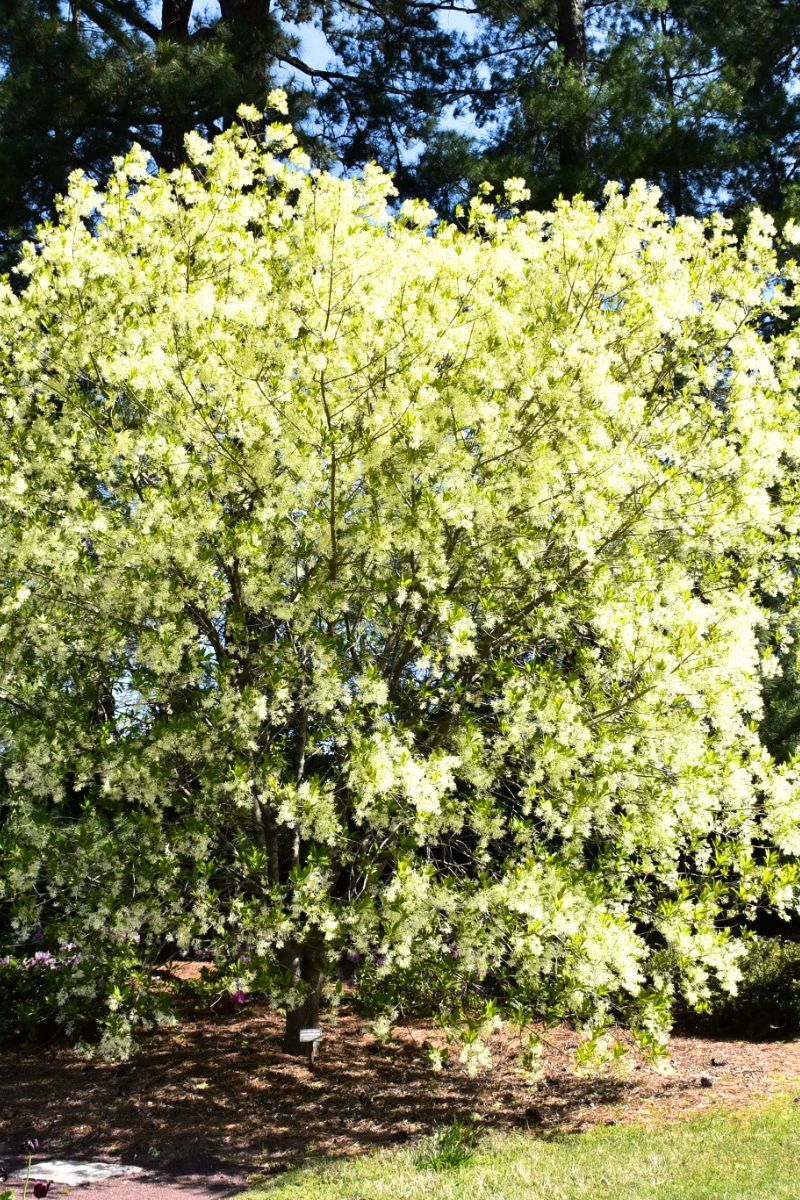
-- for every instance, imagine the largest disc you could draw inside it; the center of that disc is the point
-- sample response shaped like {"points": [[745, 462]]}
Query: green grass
{"points": [[726, 1156]]}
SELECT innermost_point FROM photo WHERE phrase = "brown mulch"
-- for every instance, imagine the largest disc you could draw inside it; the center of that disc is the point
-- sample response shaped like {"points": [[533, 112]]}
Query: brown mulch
{"points": [[216, 1100]]}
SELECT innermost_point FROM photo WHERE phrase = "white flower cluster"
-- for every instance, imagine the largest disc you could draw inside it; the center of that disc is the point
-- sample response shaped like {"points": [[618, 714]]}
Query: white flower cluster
{"points": [[377, 583]]}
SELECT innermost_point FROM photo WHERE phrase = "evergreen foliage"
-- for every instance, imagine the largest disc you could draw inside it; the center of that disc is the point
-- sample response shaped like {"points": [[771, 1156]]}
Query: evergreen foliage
{"points": [[698, 98]]}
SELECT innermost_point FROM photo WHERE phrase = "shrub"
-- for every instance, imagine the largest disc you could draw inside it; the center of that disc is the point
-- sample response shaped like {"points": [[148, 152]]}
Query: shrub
{"points": [[768, 998], [49, 994]]}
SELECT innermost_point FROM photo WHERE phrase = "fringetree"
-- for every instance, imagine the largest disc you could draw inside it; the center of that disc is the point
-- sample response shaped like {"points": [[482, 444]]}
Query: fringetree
{"points": [[380, 587]]}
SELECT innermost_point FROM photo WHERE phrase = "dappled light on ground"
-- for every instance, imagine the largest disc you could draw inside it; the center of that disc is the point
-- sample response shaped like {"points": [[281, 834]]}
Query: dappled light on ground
{"points": [[218, 1094]]}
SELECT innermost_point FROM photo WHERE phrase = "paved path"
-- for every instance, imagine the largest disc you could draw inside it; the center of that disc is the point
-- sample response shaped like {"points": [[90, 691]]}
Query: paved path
{"points": [[148, 1186]]}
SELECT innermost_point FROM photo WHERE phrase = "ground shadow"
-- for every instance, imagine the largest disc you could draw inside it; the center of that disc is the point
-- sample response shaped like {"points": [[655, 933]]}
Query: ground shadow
{"points": [[218, 1093]]}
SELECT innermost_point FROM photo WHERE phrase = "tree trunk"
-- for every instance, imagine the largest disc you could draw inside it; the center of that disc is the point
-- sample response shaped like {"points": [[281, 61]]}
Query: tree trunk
{"points": [[307, 967], [176, 116], [573, 138], [251, 29], [674, 179]]}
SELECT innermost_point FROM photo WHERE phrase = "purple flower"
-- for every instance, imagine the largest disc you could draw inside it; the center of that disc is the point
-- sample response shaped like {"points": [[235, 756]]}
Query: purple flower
{"points": [[239, 997], [31, 1145], [40, 1187], [353, 957], [245, 958], [43, 958]]}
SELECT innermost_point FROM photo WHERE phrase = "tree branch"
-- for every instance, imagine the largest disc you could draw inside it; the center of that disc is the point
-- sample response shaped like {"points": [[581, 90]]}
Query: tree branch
{"points": [[110, 24]]}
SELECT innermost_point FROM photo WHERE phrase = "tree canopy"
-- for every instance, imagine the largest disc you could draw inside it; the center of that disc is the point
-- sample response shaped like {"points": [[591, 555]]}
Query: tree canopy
{"points": [[391, 588], [698, 98], [80, 81]]}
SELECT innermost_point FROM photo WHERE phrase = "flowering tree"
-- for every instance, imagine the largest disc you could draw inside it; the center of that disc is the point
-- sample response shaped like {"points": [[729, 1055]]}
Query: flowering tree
{"points": [[379, 587]]}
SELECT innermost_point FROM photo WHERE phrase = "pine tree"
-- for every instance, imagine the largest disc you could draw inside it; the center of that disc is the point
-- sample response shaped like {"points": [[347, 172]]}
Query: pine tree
{"points": [[699, 100], [79, 83], [565, 93]]}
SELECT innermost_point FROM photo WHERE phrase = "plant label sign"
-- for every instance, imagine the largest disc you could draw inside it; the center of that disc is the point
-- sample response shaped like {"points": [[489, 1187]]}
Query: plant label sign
{"points": [[310, 1035]]}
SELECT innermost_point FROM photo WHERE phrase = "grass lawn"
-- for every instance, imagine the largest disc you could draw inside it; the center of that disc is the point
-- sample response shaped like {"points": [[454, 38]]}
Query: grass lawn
{"points": [[750, 1155]]}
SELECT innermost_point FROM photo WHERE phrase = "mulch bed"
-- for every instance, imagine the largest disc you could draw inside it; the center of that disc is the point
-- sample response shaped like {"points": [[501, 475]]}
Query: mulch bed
{"points": [[215, 1101]]}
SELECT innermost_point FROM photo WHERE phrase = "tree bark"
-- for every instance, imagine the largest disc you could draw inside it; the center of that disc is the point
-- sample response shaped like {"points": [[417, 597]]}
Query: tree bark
{"points": [[175, 16], [250, 26], [307, 967], [674, 179], [175, 119], [573, 138]]}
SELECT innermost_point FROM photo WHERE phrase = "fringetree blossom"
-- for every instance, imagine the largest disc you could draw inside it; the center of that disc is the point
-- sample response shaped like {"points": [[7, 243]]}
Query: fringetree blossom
{"points": [[381, 587]]}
